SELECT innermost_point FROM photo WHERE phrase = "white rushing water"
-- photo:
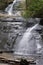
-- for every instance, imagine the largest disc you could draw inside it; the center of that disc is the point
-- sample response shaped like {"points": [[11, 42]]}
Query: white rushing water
{"points": [[27, 44], [10, 8]]}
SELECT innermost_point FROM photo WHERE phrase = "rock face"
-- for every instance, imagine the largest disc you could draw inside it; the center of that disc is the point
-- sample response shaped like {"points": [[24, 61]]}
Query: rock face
{"points": [[9, 32], [4, 3]]}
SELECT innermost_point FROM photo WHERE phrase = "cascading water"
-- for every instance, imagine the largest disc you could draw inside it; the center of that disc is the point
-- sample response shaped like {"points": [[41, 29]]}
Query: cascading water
{"points": [[28, 43], [10, 8]]}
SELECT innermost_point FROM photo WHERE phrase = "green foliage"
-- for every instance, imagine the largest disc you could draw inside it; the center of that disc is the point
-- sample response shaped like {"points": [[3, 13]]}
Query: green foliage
{"points": [[32, 8]]}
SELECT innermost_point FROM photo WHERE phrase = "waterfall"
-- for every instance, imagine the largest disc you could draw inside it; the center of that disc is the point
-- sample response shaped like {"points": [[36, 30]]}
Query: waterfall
{"points": [[10, 8], [27, 44]]}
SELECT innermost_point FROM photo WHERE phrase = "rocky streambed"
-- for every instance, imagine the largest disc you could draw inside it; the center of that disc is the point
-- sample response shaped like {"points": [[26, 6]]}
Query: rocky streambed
{"points": [[10, 30], [11, 33]]}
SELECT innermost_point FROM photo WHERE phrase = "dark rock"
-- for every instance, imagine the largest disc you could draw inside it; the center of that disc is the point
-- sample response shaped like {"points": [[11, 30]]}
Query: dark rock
{"points": [[24, 62], [41, 22]]}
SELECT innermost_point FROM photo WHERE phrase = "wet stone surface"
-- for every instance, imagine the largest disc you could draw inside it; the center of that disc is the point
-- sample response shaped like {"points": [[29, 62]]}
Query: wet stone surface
{"points": [[9, 32]]}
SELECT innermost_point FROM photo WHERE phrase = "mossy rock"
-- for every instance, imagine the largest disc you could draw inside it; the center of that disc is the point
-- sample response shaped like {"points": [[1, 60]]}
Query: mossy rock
{"points": [[4, 3]]}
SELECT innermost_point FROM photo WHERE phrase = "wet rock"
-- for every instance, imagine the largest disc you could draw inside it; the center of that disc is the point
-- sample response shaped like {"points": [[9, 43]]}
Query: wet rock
{"points": [[11, 31]]}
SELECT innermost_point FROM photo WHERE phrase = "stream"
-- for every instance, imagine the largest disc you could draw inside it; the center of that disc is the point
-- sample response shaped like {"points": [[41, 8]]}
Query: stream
{"points": [[22, 40]]}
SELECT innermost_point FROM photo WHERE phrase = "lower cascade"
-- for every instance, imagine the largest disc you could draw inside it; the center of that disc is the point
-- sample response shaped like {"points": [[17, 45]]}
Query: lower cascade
{"points": [[28, 44]]}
